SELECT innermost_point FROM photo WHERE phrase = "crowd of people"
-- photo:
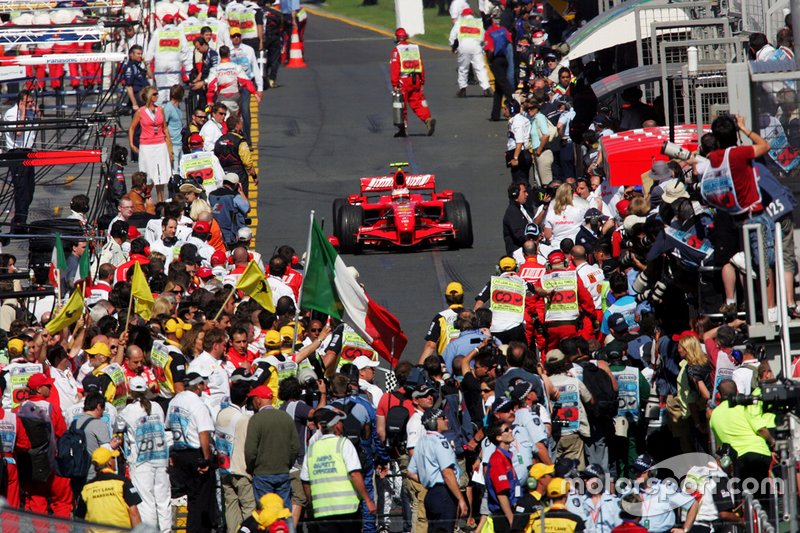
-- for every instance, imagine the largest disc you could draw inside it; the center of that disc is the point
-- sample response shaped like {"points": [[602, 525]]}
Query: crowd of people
{"points": [[577, 366]]}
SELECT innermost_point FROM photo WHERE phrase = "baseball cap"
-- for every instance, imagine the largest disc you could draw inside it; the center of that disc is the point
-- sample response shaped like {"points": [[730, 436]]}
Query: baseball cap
{"points": [[205, 273], [16, 346], [103, 455], [231, 177], [674, 191], [631, 221], [593, 212], [193, 9], [99, 348], [272, 338], [556, 256], [564, 467], [622, 207], [507, 264], [137, 384], [40, 380], [362, 361], [262, 391], [219, 258], [212, 10], [532, 230], [557, 487], [643, 463], [202, 226], [466, 11], [168, 19], [193, 378], [424, 391], [617, 323], [431, 414], [173, 325], [133, 232], [555, 356], [235, 31], [195, 139], [244, 234], [454, 288], [601, 120], [540, 469], [614, 350], [687, 333], [328, 416], [286, 332], [190, 187]]}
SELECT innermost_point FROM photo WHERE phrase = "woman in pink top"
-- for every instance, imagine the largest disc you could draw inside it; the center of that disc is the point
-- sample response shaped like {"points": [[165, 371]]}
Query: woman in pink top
{"points": [[155, 146]]}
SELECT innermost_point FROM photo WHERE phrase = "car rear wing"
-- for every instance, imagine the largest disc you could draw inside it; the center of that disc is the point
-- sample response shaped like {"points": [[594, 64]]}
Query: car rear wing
{"points": [[414, 182]]}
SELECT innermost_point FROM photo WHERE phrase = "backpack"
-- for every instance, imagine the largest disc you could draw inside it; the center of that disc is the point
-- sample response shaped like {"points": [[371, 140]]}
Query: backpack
{"points": [[396, 421], [353, 428], [459, 431], [599, 384], [73, 458]]}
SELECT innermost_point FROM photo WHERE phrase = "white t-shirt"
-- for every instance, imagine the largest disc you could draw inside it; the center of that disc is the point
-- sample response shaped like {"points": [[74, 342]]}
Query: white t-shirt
{"points": [[566, 224], [66, 386], [414, 429], [187, 416], [219, 388], [146, 438], [349, 454], [592, 277]]}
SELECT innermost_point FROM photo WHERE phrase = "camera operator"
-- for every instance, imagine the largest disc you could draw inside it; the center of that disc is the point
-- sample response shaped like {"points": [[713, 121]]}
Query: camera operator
{"points": [[746, 433]]}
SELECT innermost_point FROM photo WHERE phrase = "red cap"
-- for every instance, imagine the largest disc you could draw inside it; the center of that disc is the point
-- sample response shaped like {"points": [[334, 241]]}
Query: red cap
{"points": [[688, 333], [204, 273], [193, 9], [133, 232], [466, 11], [168, 19], [622, 207], [219, 258], [212, 11], [195, 139], [556, 256], [39, 380], [202, 226], [262, 391]]}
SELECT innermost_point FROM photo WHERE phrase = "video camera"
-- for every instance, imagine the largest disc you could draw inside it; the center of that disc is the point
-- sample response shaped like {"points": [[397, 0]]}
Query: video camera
{"points": [[777, 397]]}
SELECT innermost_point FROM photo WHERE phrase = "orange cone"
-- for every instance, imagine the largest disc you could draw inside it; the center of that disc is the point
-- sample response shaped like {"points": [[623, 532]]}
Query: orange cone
{"points": [[296, 51]]}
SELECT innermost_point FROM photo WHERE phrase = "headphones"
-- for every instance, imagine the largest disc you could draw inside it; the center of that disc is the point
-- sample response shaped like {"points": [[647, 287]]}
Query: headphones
{"points": [[174, 325], [549, 266], [532, 483], [514, 190]]}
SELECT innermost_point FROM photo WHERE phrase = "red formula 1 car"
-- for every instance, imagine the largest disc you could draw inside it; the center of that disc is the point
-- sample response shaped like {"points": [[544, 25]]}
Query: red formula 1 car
{"points": [[411, 214]]}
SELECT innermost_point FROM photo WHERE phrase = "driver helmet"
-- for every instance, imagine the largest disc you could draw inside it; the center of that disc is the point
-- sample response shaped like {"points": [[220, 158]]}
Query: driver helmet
{"points": [[400, 194]]}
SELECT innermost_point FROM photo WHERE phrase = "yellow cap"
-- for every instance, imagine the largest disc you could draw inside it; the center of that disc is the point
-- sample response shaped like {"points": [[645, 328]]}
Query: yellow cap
{"points": [[557, 487], [273, 338], [103, 455], [99, 348], [271, 510], [287, 332], [454, 288], [507, 264], [540, 469], [16, 346], [174, 324], [235, 31]]}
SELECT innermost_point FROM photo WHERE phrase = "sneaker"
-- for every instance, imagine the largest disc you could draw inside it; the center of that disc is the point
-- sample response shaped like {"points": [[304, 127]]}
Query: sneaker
{"points": [[488, 93], [401, 133], [793, 312], [462, 93], [431, 123]]}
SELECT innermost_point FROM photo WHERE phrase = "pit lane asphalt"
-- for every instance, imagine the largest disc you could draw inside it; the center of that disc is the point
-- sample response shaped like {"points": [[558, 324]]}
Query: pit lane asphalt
{"points": [[329, 124]]}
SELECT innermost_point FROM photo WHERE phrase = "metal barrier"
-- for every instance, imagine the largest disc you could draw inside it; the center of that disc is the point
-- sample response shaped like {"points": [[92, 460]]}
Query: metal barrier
{"points": [[755, 517]]}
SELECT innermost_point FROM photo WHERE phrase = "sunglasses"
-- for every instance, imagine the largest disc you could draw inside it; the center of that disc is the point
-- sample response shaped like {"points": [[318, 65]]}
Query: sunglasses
{"points": [[486, 391], [203, 117], [315, 330], [507, 430]]}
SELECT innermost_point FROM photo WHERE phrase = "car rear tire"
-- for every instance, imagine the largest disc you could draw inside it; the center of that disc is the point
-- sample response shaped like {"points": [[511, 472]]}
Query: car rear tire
{"points": [[351, 218], [338, 204], [458, 213]]}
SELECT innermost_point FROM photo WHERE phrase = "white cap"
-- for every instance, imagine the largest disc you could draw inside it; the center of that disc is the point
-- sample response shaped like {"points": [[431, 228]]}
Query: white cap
{"points": [[137, 384], [362, 361], [244, 234], [632, 220], [231, 177]]}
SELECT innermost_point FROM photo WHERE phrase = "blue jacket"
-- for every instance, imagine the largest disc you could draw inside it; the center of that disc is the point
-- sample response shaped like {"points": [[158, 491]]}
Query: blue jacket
{"points": [[229, 210]]}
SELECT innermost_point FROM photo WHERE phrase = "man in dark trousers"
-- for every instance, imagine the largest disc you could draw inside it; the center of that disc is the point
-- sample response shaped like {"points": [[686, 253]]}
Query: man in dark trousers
{"points": [[20, 141], [517, 216], [234, 153]]}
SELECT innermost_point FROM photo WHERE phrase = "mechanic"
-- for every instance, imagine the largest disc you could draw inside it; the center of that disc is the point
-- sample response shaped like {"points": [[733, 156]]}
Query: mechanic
{"points": [[408, 77], [561, 297], [506, 296], [227, 80], [167, 52], [517, 217], [442, 329], [466, 41], [244, 55]]}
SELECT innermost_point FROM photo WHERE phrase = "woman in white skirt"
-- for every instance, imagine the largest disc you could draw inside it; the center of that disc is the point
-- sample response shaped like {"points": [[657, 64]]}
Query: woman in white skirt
{"points": [[155, 145]]}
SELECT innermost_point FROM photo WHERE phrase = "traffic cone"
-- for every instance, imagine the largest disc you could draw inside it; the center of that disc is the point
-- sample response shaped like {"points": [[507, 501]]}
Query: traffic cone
{"points": [[296, 51]]}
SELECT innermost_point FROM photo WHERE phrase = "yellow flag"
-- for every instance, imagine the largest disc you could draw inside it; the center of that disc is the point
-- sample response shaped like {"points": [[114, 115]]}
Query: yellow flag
{"points": [[141, 291], [68, 315], [254, 284]]}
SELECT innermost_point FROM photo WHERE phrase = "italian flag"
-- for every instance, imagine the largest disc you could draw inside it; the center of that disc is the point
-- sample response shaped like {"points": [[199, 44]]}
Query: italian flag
{"points": [[58, 262], [329, 288]]}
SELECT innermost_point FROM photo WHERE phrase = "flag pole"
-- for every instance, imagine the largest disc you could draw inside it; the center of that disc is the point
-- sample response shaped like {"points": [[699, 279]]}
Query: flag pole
{"points": [[305, 271], [58, 288], [130, 308], [222, 308]]}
